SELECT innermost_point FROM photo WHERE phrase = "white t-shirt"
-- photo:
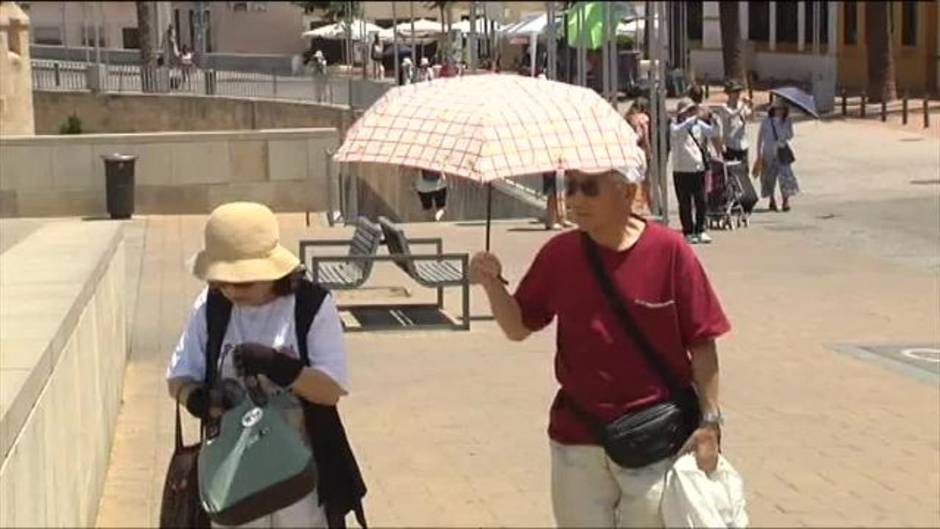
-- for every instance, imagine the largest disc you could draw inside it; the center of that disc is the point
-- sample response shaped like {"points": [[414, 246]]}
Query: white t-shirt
{"points": [[733, 122], [686, 155], [271, 324], [424, 185]]}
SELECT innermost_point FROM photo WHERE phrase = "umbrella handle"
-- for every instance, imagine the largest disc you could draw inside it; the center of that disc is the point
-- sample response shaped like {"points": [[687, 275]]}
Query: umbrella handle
{"points": [[489, 211]]}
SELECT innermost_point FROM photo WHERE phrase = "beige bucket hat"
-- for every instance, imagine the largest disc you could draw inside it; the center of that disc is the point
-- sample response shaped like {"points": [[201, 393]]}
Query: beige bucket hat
{"points": [[242, 244]]}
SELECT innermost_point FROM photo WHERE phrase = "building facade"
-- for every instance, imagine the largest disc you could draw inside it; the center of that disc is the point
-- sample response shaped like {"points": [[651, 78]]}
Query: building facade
{"points": [[821, 44]]}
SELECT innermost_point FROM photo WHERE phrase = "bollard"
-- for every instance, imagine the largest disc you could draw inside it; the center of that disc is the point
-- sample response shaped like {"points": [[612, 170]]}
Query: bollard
{"points": [[274, 81], [58, 79], [864, 104], [884, 109], [926, 113], [706, 87], [904, 109], [844, 103]]}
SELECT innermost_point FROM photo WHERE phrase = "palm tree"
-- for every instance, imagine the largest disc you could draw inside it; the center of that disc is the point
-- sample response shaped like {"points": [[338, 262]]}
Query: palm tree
{"points": [[148, 58], [881, 70], [446, 24], [731, 43]]}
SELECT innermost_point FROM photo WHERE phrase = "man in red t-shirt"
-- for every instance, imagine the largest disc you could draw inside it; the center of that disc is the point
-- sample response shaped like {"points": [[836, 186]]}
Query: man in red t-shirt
{"points": [[600, 369]]}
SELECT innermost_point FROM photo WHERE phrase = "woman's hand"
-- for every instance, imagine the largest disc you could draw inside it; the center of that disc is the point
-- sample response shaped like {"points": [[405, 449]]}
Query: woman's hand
{"points": [[257, 359]]}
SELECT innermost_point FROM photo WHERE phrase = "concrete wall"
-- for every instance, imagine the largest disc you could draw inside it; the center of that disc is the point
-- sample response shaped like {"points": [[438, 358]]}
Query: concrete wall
{"points": [[16, 88], [127, 113], [389, 191], [62, 368], [176, 172]]}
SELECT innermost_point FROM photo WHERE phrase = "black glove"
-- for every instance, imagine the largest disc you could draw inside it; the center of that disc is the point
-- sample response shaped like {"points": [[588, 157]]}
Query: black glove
{"points": [[197, 402], [201, 399], [257, 359]]}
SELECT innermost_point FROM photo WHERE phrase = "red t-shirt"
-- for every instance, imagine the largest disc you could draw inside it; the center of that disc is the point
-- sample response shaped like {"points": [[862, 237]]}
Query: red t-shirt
{"points": [[667, 294]]}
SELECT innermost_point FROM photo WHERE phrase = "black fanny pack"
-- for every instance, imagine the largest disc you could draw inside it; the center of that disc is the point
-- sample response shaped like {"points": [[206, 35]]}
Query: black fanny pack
{"points": [[650, 434], [647, 435]]}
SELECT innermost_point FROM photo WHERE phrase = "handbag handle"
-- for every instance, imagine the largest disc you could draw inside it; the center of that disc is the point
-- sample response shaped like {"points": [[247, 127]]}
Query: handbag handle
{"points": [[615, 302]]}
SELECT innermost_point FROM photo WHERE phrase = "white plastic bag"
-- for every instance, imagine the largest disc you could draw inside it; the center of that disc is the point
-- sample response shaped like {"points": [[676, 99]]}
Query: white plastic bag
{"points": [[692, 498]]}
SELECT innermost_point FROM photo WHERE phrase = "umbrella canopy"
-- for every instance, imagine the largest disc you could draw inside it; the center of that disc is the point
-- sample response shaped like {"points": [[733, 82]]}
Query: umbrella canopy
{"points": [[487, 127], [403, 50], [423, 28], [798, 98], [338, 31], [529, 25]]}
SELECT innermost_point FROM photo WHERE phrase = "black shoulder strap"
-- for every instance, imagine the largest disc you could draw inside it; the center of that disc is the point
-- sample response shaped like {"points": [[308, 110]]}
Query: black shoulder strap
{"points": [[341, 487], [218, 312], [705, 156], [308, 299], [615, 301]]}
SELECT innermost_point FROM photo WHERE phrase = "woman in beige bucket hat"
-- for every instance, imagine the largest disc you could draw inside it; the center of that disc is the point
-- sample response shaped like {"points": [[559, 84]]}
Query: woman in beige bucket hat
{"points": [[245, 262]]}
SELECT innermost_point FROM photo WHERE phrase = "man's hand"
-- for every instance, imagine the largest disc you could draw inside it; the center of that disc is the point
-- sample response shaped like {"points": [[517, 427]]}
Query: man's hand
{"points": [[485, 269], [704, 443]]}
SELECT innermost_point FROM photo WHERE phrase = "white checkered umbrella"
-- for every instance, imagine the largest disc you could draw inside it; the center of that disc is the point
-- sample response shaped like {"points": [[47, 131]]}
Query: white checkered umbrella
{"points": [[486, 127]]}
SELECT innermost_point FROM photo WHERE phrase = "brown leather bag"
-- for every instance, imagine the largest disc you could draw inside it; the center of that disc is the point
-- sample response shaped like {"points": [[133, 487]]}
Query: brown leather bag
{"points": [[181, 506]]}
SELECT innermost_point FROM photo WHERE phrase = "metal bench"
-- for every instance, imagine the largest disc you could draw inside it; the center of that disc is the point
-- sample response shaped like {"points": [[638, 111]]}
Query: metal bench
{"points": [[349, 271], [437, 270]]}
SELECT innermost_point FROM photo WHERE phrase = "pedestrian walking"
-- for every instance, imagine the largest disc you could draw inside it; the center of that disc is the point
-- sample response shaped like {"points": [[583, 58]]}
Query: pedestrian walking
{"points": [[321, 78], [733, 116], [776, 155], [639, 118], [432, 192], [258, 286], [689, 135], [407, 71], [556, 216], [425, 72], [636, 359], [378, 69]]}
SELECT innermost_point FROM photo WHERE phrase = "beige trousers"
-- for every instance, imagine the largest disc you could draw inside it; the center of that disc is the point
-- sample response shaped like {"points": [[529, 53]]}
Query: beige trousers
{"points": [[590, 490], [306, 513]]}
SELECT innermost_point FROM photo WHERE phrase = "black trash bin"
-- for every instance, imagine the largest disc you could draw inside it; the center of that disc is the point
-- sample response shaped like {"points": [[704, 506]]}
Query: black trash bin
{"points": [[119, 184]]}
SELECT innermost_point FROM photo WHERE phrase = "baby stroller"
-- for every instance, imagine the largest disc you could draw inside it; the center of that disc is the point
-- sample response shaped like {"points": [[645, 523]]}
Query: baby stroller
{"points": [[731, 197]]}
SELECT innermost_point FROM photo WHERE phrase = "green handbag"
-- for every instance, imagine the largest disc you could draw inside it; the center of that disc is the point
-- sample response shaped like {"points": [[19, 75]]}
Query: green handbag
{"points": [[257, 464]]}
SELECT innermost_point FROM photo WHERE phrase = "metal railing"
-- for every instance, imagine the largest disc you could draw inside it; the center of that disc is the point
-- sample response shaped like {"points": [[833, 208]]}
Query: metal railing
{"points": [[72, 75]]}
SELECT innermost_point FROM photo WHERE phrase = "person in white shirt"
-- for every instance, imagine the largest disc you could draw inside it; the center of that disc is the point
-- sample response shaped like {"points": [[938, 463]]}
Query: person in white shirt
{"points": [[689, 135], [425, 72], [243, 260], [733, 116], [432, 191]]}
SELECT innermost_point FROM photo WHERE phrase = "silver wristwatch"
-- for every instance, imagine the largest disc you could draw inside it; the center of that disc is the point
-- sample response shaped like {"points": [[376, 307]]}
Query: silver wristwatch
{"points": [[712, 417]]}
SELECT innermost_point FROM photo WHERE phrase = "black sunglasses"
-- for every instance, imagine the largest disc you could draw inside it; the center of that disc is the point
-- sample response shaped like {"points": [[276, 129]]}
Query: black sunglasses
{"points": [[589, 187]]}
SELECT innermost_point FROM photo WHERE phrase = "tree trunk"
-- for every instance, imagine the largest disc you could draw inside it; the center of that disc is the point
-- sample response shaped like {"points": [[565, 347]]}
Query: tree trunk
{"points": [[731, 44], [148, 56], [881, 81]]}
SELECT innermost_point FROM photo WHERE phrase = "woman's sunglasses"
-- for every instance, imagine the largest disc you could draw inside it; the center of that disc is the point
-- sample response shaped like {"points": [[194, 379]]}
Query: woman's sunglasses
{"points": [[588, 187]]}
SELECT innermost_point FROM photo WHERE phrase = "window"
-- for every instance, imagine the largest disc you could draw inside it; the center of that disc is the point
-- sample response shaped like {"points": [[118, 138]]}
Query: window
{"points": [[50, 36], [787, 22], [909, 23], [130, 38], [244, 7], [693, 18], [850, 27], [758, 21], [238, 6], [88, 34], [823, 28]]}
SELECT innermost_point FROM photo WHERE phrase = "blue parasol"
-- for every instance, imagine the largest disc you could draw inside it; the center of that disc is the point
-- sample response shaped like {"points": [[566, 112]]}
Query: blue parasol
{"points": [[798, 98]]}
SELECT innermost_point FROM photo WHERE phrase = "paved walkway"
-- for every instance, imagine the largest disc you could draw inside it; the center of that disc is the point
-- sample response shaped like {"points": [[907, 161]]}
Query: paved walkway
{"points": [[450, 427]]}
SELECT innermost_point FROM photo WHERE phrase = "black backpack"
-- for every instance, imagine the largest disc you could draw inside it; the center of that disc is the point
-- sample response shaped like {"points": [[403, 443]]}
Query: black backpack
{"points": [[340, 486]]}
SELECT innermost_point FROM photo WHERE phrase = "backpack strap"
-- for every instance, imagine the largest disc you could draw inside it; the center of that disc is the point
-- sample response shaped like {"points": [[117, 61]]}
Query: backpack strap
{"points": [[218, 313], [340, 485]]}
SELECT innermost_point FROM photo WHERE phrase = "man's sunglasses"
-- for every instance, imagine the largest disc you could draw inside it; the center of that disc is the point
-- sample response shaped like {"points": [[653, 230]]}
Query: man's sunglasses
{"points": [[587, 187]]}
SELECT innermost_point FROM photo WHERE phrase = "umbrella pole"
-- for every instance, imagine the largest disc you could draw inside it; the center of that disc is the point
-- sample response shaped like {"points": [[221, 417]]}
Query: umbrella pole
{"points": [[489, 212]]}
